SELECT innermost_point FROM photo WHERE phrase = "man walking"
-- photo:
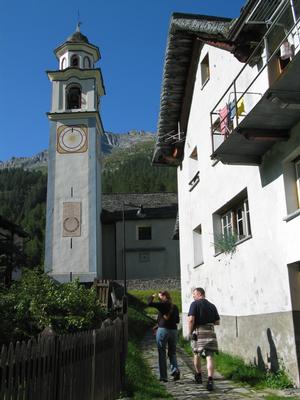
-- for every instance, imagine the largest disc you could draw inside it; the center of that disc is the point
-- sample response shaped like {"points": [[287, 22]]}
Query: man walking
{"points": [[202, 317]]}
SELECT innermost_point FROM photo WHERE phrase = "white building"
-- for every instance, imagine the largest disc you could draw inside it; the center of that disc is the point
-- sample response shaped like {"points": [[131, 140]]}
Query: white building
{"points": [[73, 230], [229, 121]]}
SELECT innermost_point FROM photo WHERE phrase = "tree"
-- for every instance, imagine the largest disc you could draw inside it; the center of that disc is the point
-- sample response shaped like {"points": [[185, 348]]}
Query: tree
{"points": [[11, 256]]}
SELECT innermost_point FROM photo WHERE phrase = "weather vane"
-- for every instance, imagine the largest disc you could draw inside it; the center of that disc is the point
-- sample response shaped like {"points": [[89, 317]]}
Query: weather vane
{"points": [[78, 21]]}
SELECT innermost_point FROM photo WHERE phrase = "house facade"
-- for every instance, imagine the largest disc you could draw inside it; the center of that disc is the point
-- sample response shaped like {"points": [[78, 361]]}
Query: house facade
{"points": [[144, 238], [229, 121]]}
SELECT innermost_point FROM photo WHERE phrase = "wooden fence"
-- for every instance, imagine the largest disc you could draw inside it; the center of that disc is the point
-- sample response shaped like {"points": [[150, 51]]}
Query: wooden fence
{"points": [[87, 365]]}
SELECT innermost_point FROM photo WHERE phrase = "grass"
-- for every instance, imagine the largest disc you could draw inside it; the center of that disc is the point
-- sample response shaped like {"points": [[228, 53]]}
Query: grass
{"points": [[142, 385], [275, 397], [140, 382], [235, 369], [142, 297]]}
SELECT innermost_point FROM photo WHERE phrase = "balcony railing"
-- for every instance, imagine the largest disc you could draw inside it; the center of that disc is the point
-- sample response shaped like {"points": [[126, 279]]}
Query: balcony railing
{"points": [[240, 111]]}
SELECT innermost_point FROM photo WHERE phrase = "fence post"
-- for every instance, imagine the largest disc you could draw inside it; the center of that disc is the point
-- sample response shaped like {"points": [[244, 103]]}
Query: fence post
{"points": [[93, 366]]}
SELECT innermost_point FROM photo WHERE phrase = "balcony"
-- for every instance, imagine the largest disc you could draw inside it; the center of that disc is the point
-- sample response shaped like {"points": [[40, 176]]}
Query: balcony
{"points": [[260, 108]]}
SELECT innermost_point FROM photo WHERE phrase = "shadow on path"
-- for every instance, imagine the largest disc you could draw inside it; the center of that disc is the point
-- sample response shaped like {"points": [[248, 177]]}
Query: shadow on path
{"points": [[186, 388]]}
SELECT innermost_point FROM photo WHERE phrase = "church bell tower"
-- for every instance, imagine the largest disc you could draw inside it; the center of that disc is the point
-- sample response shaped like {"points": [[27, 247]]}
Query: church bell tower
{"points": [[73, 225]]}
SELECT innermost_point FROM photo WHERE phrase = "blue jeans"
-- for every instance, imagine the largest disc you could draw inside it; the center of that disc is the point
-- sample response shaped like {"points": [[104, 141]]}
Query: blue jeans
{"points": [[166, 337]]}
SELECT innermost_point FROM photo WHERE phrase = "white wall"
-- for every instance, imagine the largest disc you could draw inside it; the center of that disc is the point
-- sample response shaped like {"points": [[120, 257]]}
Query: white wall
{"points": [[255, 279], [79, 172]]}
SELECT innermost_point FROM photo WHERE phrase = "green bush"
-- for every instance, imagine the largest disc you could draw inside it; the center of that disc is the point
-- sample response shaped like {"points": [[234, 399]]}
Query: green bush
{"points": [[37, 302], [138, 323]]}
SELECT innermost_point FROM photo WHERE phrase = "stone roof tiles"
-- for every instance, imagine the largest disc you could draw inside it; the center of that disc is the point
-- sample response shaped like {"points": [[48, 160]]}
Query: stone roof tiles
{"points": [[156, 205], [184, 29]]}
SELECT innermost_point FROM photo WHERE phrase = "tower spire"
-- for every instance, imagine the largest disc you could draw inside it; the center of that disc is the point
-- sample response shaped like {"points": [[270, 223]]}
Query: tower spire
{"points": [[78, 22]]}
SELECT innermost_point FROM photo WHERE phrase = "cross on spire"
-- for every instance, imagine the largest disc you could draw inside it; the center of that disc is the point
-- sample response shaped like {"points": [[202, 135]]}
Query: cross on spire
{"points": [[78, 22]]}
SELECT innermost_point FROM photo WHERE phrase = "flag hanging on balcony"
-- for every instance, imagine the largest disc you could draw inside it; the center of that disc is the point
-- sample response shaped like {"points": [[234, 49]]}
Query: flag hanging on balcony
{"points": [[240, 107], [286, 50], [223, 114], [232, 109]]}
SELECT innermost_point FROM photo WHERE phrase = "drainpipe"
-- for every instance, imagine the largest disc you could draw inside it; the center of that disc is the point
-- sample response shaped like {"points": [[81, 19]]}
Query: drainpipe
{"points": [[294, 18]]}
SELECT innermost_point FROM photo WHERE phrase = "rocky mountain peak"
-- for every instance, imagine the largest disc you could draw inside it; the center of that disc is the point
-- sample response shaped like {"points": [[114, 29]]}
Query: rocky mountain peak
{"points": [[109, 141]]}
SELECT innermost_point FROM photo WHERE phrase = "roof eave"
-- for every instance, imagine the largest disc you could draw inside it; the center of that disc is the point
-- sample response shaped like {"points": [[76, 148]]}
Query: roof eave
{"points": [[184, 31], [78, 46]]}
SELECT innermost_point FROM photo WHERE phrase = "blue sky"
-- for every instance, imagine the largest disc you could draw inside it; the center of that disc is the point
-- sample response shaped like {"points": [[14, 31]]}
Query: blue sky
{"points": [[131, 35]]}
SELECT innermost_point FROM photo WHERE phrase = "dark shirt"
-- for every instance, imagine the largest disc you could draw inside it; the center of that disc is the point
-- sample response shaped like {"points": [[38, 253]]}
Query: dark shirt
{"points": [[164, 308], [204, 312]]}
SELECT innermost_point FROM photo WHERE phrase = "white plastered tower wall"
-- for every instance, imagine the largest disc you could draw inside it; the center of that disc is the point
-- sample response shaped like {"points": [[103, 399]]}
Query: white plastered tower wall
{"points": [[251, 288], [73, 228]]}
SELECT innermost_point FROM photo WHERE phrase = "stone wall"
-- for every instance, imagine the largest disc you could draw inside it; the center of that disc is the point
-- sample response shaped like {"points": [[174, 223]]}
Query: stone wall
{"points": [[156, 284]]}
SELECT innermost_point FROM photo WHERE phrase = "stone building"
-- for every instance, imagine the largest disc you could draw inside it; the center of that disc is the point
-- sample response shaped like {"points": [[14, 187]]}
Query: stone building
{"points": [[149, 247]]}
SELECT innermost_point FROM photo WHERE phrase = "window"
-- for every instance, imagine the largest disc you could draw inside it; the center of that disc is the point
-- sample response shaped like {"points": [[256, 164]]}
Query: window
{"points": [[237, 221], [205, 70], [86, 62], [197, 242], [233, 220], [144, 233], [63, 63], [73, 95], [144, 257], [297, 176], [193, 170], [74, 61], [291, 175]]}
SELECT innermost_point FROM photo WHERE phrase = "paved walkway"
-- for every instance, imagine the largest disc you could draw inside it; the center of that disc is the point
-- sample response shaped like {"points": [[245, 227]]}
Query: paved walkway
{"points": [[186, 389]]}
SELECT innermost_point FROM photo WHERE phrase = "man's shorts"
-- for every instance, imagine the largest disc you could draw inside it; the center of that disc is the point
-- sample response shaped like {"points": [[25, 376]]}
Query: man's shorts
{"points": [[206, 343]]}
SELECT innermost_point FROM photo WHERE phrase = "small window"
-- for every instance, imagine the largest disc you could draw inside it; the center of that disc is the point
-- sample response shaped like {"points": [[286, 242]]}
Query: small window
{"points": [[197, 242], [63, 63], [194, 173], [86, 62], [144, 233], [236, 221], [232, 222], [73, 97], [75, 61], [291, 175], [297, 176], [144, 257], [205, 74]]}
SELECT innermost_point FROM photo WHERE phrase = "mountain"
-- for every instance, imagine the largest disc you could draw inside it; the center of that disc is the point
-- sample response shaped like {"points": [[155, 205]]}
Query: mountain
{"points": [[126, 168], [37, 161], [109, 141]]}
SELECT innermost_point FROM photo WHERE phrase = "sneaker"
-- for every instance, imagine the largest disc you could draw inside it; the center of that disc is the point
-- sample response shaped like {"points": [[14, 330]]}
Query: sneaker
{"points": [[176, 375], [163, 380], [210, 385], [198, 378]]}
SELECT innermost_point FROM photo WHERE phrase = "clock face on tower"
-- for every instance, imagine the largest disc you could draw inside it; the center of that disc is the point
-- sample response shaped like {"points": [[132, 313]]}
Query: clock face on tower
{"points": [[72, 139]]}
